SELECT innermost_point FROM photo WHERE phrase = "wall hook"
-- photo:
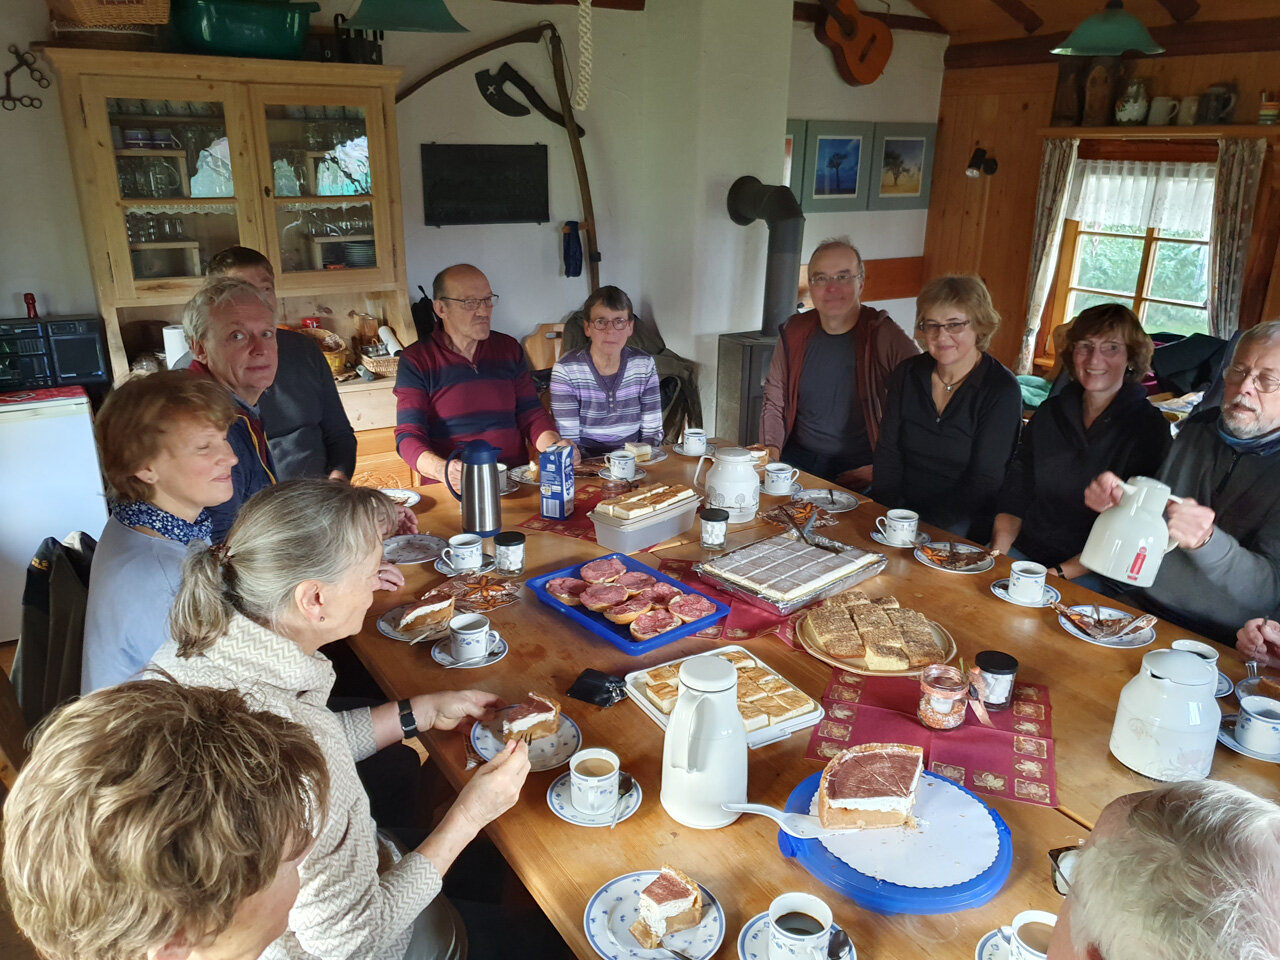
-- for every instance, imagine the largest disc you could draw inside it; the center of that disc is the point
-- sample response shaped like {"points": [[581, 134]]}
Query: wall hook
{"points": [[25, 59]]}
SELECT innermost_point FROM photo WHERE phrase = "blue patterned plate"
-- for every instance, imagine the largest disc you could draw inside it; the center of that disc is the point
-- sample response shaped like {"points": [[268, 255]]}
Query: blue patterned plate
{"points": [[614, 907], [559, 799], [753, 941], [992, 947], [545, 753]]}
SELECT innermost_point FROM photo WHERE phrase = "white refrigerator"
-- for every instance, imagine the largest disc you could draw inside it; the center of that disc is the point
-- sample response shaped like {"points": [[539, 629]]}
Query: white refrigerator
{"points": [[50, 483]]}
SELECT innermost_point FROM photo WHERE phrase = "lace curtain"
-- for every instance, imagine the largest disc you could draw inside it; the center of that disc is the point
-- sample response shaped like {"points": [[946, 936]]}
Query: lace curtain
{"points": [[1239, 170], [1055, 181], [1173, 197]]}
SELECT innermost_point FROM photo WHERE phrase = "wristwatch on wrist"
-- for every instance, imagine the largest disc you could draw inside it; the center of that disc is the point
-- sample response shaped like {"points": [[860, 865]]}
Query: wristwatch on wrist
{"points": [[1057, 568], [408, 723]]}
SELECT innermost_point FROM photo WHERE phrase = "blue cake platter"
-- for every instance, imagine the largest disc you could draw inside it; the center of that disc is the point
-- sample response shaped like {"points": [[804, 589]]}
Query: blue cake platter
{"points": [[883, 897]]}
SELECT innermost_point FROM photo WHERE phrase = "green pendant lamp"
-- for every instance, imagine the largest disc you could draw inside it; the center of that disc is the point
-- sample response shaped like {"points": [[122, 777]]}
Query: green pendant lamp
{"points": [[429, 16], [1109, 34]]}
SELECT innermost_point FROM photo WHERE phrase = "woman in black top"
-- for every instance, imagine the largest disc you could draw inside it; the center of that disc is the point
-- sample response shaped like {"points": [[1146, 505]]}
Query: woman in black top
{"points": [[952, 416], [1101, 421]]}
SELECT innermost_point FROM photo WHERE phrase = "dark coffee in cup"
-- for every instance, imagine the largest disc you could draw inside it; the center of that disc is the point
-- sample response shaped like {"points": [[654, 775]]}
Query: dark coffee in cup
{"points": [[799, 924]]}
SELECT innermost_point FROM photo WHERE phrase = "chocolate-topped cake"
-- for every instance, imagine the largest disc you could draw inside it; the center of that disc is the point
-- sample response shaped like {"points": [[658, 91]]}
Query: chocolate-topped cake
{"points": [[671, 902], [537, 717], [870, 785]]}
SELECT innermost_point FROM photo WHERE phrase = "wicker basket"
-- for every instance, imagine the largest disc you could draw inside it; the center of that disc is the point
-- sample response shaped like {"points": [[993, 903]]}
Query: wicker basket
{"points": [[109, 13], [382, 366]]}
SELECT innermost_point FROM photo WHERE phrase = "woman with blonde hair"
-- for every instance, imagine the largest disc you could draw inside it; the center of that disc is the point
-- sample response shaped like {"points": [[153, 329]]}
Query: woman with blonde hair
{"points": [[252, 614], [952, 416], [162, 441]]}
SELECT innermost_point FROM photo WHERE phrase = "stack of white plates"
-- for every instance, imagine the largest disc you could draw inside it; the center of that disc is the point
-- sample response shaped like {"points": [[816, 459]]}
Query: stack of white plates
{"points": [[360, 253]]}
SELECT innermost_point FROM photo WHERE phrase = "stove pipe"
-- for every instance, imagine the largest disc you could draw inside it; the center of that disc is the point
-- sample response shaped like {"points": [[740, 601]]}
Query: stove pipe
{"points": [[751, 200]]}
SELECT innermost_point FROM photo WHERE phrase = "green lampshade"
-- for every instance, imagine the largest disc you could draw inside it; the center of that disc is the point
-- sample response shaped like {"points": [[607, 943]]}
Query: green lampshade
{"points": [[1109, 34]]}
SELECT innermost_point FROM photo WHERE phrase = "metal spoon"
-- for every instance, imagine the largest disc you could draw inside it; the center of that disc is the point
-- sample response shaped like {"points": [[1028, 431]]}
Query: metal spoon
{"points": [[626, 783], [839, 944], [464, 663]]}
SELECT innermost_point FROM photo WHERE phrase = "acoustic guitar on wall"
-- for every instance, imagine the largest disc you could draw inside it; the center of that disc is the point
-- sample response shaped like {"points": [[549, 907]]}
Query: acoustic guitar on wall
{"points": [[860, 44]]}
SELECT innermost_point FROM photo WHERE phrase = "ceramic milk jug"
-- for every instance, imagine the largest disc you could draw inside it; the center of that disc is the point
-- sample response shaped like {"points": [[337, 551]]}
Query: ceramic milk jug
{"points": [[481, 508], [732, 483], [1128, 541], [1166, 723], [1132, 107], [704, 753]]}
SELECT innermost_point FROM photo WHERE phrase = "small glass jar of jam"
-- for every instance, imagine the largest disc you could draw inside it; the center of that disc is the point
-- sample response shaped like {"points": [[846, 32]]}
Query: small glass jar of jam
{"points": [[943, 696]]}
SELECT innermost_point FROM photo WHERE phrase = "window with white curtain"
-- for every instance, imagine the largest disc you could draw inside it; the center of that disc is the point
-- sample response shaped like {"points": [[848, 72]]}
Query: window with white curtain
{"points": [[1139, 233]]}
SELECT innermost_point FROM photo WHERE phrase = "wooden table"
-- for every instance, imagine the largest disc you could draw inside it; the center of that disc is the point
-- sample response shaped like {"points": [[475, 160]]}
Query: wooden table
{"points": [[563, 865]]}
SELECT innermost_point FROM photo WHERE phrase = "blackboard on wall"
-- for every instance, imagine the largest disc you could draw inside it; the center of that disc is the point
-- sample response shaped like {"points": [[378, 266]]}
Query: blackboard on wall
{"points": [[484, 183]]}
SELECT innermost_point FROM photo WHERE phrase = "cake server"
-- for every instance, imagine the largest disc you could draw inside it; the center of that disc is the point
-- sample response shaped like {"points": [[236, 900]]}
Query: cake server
{"points": [[796, 824]]}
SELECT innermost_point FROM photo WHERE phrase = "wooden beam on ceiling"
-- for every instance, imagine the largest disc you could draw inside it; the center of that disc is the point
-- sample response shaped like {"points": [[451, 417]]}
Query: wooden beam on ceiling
{"points": [[813, 13], [1178, 39], [1021, 14], [636, 5], [1181, 10]]}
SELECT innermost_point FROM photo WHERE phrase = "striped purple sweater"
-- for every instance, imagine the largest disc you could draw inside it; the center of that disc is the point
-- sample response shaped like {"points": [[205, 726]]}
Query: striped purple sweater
{"points": [[600, 421]]}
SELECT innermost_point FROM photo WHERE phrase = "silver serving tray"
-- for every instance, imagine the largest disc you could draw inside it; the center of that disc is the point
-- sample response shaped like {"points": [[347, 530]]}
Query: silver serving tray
{"points": [[791, 606]]}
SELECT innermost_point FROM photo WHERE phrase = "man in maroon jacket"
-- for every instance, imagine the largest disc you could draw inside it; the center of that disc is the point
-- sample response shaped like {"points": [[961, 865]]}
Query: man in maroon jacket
{"points": [[825, 392]]}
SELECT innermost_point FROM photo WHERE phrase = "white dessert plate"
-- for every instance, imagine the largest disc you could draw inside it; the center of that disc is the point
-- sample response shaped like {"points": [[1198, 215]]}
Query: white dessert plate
{"points": [[1129, 640], [657, 456], [921, 539], [522, 474], [1001, 589], [795, 488], [387, 626], [1227, 737], [1248, 687], [679, 449], [607, 474], [981, 567], [406, 498], [511, 486], [441, 655], [486, 564], [955, 834], [992, 947], [1224, 685], [412, 548], [830, 500], [615, 906], [559, 799], [545, 753]]}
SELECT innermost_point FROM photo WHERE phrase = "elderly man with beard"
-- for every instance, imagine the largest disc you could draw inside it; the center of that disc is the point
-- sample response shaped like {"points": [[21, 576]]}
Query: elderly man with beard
{"points": [[1225, 465]]}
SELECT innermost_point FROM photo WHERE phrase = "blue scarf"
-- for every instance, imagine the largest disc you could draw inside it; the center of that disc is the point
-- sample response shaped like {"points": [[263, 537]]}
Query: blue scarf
{"points": [[140, 513]]}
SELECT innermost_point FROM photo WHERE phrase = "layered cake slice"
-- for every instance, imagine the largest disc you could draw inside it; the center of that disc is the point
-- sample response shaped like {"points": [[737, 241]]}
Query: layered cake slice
{"points": [[432, 612], [536, 717], [869, 785], [672, 902]]}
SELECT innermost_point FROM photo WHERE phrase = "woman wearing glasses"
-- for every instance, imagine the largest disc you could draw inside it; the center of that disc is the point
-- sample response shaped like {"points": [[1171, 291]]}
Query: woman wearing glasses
{"points": [[1101, 421], [606, 394], [952, 415]]}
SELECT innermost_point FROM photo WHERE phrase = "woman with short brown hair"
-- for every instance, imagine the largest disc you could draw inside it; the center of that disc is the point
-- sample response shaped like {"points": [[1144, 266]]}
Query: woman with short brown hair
{"points": [[163, 447]]}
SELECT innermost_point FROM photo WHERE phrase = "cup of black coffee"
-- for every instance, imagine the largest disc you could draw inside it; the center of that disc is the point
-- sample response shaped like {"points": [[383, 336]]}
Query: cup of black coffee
{"points": [[799, 927]]}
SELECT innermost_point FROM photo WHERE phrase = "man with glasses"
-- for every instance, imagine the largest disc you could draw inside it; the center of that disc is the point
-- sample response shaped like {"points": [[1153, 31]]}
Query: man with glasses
{"points": [[1225, 465], [825, 392], [465, 383]]}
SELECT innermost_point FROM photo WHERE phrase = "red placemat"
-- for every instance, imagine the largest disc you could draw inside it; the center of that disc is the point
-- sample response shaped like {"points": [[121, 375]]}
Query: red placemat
{"points": [[744, 622], [586, 495], [1014, 760]]}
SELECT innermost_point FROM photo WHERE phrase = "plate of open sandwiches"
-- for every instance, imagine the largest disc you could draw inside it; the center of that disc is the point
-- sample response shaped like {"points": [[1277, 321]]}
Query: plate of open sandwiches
{"points": [[955, 557], [632, 917], [552, 737], [403, 498], [1106, 626], [873, 637]]}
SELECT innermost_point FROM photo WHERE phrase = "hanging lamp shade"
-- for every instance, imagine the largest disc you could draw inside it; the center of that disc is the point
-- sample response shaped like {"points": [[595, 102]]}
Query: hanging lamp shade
{"points": [[425, 16], [1108, 34]]}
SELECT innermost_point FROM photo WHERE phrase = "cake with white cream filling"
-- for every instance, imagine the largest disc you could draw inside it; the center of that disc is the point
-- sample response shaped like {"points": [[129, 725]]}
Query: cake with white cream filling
{"points": [[870, 785], [670, 903]]}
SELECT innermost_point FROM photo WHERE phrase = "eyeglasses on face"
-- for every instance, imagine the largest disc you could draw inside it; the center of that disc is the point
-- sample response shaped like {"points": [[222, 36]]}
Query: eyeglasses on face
{"points": [[1062, 864], [475, 303], [931, 329], [1109, 349], [844, 278], [604, 323], [1234, 374]]}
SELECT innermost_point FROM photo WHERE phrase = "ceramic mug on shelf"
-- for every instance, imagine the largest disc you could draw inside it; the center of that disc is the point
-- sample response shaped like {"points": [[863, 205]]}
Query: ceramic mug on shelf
{"points": [[593, 780], [463, 552], [1026, 581], [778, 478], [899, 527], [622, 464], [1187, 108], [470, 637], [1162, 112], [799, 927], [1258, 727]]}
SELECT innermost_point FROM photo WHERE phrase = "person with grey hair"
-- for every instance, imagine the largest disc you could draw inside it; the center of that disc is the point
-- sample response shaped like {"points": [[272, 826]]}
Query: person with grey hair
{"points": [[1225, 467], [825, 393], [1187, 871], [231, 328], [252, 615]]}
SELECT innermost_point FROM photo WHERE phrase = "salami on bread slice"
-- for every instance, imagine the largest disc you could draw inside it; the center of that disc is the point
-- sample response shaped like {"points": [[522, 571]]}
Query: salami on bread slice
{"points": [[602, 596], [635, 581], [649, 625], [691, 606], [628, 611], [602, 571], [567, 589]]}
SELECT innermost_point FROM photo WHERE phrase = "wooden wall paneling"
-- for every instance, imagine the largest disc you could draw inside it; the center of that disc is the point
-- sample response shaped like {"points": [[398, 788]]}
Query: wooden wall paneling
{"points": [[1182, 76], [1260, 300], [893, 279]]}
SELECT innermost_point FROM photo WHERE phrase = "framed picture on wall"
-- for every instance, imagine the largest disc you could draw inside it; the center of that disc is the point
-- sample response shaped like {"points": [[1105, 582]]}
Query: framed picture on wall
{"points": [[901, 166], [836, 166], [793, 157]]}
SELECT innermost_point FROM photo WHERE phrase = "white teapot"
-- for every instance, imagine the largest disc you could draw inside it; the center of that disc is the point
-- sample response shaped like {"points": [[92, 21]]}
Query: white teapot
{"points": [[1166, 724], [704, 752], [732, 483]]}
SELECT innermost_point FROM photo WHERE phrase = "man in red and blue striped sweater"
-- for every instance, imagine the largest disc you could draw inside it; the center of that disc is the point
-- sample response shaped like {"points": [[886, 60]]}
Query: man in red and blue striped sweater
{"points": [[465, 382]]}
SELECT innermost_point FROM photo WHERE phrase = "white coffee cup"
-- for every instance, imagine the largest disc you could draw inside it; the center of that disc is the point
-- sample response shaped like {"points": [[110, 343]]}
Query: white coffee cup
{"points": [[1162, 112], [695, 442], [1204, 651], [1187, 108], [622, 464], [1258, 727], [899, 526], [470, 637], [778, 478], [1024, 935], [1026, 581], [463, 552], [789, 941], [593, 780], [502, 477]]}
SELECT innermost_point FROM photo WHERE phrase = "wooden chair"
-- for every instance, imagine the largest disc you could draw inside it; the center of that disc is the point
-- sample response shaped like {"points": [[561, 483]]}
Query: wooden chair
{"points": [[544, 346]]}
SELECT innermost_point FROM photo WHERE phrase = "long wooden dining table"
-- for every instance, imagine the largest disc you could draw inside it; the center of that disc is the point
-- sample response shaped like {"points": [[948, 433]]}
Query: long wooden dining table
{"points": [[562, 865]]}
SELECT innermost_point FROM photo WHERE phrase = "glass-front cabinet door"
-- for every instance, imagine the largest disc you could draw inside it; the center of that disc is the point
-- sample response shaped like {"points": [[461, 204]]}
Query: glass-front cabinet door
{"points": [[177, 179], [323, 164]]}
